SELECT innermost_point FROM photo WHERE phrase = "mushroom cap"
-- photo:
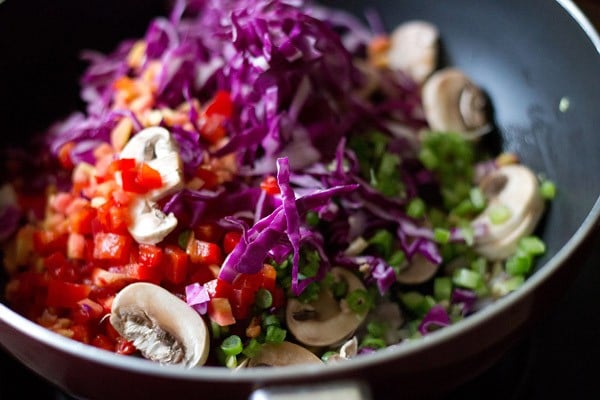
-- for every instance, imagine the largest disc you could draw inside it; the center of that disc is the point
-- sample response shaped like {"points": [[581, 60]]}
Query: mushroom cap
{"points": [[517, 188], [330, 321], [418, 271], [453, 103], [161, 325], [282, 354], [414, 49]]}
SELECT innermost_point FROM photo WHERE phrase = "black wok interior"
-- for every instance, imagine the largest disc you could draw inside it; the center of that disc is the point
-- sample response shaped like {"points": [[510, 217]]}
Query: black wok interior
{"points": [[526, 68]]}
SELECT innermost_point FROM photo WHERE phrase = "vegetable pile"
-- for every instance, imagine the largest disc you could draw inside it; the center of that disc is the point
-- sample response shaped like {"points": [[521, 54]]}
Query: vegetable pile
{"points": [[267, 183]]}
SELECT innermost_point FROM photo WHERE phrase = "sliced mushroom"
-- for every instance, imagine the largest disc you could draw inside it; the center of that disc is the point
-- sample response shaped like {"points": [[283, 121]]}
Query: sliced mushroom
{"points": [[282, 354], [325, 321], [453, 103], [160, 325], [155, 146], [414, 49], [149, 225], [516, 188], [418, 271]]}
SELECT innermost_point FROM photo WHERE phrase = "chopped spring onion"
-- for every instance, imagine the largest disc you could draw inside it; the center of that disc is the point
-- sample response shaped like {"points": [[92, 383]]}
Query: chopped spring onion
{"points": [[548, 189], [358, 301], [263, 298], [499, 214], [416, 208], [467, 278], [532, 245], [232, 345], [442, 288], [275, 334]]}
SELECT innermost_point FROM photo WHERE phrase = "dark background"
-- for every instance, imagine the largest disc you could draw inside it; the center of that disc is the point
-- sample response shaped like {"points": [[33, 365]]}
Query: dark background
{"points": [[558, 358]]}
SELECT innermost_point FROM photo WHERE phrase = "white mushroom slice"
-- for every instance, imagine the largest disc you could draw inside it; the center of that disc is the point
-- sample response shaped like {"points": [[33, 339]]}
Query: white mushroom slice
{"points": [[515, 188], [453, 103], [155, 146], [149, 224], [418, 271], [414, 49], [325, 321], [282, 354], [160, 325]]}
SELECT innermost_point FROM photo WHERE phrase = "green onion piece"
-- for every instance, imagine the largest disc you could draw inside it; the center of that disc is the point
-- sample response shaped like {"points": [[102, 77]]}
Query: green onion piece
{"points": [[339, 289], [359, 301], [215, 329], [263, 298], [441, 235], [463, 208], [310, 293], [270, 320], [442, 288], [184, 238], [532, 245], [372, 342], [477, 198], [312, 218], [519, 264], [502, 288], [397, 258], [548, 189], [275, 334], [376, 329], [231, 362], [412, 300], [499, 214], [383, 242], [479, 265], [416, 208], [428, 158], [327, 355], [252, 348], [428, 302], [467, 278], [232, 345], [468, 233]]}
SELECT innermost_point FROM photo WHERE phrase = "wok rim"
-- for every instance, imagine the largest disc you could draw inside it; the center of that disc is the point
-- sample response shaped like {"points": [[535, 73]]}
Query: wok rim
{"points": [[252, 375]]}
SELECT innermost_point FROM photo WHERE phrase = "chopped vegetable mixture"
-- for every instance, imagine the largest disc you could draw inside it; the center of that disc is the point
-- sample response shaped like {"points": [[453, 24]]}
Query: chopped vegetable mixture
{"points": [[261, 183]]}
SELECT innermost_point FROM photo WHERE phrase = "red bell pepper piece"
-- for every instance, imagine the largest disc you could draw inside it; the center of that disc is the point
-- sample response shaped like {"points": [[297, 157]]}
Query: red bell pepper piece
{"points": [[66, 294]]}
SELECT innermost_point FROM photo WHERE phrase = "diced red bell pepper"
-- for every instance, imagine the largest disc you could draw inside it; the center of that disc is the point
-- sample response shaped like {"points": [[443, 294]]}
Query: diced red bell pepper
{"points": [[123, 346], [219, 310], [144, 273], [46, 242], [59, 267], [210, 179], [80, 221], [175, 264], [103, 342], [114, 280], [218, 288], [204, 253], [230, 240], [66, 294], [142, 179], [241, 300], [87, 311], [208, 232], [112, 247], [221, 104], [150, 255], [270, 185], [64, 155]]}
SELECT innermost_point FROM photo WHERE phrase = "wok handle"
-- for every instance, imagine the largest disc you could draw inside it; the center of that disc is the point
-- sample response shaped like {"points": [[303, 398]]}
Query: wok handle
{"points": [[337, 390]]}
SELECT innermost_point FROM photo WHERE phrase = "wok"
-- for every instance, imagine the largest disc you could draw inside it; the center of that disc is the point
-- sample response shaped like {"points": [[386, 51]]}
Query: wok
{"points": [[529, 56]]}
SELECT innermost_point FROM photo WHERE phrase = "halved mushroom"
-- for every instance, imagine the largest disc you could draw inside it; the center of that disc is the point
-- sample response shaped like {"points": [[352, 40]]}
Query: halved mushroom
{"points": [[414, 49], [325, 321], [453, 103], [149, 225], [282, 354], [418, 271], [160, 325], [516, 189], [155, 146]]}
